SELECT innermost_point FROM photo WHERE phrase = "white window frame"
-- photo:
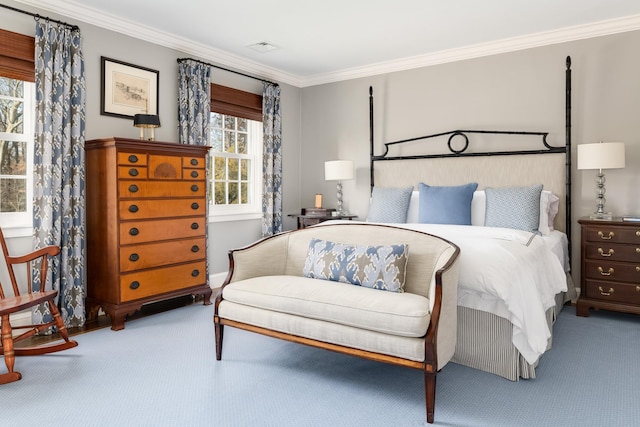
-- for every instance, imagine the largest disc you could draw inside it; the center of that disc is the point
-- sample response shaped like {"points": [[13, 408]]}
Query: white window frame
{"points": [[252, 210], [21, 223]]}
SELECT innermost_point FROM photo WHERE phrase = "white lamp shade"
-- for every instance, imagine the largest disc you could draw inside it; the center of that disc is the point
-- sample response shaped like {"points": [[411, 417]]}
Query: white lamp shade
{"points": [[338, 170], [601, 155]]}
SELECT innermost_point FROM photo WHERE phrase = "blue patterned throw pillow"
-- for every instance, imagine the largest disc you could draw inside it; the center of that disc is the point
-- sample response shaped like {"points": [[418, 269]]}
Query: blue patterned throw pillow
{"points": [[377, 267], [389, 205], [513, 207]]}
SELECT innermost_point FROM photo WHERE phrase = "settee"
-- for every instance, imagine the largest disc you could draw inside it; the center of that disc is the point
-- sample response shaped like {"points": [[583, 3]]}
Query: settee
{"points": [[401, 309]]}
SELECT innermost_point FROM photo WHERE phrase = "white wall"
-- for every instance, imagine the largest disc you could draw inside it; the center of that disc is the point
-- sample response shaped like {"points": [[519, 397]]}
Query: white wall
{"points": [[513, 91]]}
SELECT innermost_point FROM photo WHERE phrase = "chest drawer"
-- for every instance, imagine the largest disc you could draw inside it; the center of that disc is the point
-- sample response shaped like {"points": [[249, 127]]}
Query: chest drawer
{"points": [[613, 252], [161, 280], [130, 158], [138, 189], [137, 257], [137, 172], [151, 231], [147, 209], [165, 167]]}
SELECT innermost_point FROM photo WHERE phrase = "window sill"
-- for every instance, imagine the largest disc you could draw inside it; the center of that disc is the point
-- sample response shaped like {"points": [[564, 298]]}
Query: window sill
{"points": [[234, 217]]}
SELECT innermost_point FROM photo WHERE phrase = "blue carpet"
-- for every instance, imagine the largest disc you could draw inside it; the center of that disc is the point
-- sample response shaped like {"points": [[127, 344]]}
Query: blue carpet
{"points": [[161, 371]]}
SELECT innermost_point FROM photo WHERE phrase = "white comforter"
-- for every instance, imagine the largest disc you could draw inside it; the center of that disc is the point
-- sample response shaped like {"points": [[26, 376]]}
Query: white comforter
{"points": [[513, 274]]}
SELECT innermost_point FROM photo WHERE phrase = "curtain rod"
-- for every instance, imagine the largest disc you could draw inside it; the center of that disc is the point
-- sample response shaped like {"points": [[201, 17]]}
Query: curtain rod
{"points": [[226, 69], [38, 17]]}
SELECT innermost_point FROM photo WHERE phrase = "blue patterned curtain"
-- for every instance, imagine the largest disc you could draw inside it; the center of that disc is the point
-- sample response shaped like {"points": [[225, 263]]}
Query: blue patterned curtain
{"points": [[194, 103], [59, 175], [272, 161]]}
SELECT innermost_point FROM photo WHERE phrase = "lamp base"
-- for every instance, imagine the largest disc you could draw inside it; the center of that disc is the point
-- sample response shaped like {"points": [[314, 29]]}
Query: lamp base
{"points": [[607, 216]]}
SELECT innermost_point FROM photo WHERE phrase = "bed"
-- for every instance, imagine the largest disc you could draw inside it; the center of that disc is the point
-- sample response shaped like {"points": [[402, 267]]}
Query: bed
{"points": [[505, 319]]}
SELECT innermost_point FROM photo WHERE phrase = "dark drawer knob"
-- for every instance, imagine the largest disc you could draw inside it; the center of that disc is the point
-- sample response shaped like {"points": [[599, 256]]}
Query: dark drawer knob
{"points": [[194, 226], [133, 158], [195, 273], [194, 174], [133, 172], [134, 257], [194, 206], [195, 248], [133, 188], [134, 231], [194, 162], [134, 285], [194, 188], [133, 208]]}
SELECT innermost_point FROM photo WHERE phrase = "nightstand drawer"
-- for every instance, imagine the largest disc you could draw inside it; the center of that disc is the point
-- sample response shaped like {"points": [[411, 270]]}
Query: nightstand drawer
{"points": [[613, 252], [614, 292], [614, 271], [612, 234]]}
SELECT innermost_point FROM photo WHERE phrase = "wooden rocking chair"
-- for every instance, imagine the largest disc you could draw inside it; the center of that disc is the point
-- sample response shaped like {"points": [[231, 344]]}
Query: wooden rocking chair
{"points": [[17, 302]]}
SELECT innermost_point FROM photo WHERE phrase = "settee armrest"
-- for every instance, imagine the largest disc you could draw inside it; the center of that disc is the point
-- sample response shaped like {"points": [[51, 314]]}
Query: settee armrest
{"points": [[266, 257]]}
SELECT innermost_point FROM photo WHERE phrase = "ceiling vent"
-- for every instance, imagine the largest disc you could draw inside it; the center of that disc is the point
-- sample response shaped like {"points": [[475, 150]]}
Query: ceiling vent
{"points": [[263, 47]]}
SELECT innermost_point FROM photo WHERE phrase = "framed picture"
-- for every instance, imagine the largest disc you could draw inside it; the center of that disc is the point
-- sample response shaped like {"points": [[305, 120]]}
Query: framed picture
{"points": [[128, 89]]}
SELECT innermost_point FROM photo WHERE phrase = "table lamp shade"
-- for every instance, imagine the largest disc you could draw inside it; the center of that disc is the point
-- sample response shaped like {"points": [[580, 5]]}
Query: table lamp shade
{"points": [[601, 155], [338, 170]]}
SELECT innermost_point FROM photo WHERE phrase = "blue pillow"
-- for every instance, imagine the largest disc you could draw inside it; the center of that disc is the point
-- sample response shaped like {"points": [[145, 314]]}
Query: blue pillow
{"points": [[377, 267], [513, 207], [389, 204], [446, 205]]}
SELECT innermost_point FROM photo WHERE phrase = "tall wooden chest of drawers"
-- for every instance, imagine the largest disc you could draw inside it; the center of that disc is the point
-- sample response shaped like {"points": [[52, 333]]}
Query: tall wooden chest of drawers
{"points": [[610, 266], [146, 224]]}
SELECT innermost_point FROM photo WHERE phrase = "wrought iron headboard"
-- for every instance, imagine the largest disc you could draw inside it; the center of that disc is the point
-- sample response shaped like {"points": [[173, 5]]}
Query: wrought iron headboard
{"points": [[465, 135]]}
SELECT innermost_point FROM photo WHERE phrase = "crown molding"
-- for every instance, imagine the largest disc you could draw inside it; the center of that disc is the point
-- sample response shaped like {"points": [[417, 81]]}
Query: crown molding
{"points": [[110, 22]]}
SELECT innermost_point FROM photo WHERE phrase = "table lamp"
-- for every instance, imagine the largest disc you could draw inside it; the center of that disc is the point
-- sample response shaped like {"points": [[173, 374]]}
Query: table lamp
{"points": [[338, 170], [601, 155]]}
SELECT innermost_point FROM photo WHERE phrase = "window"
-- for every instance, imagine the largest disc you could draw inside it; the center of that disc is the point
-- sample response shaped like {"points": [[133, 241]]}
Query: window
{"points": [[236, 154], [16, 152]]}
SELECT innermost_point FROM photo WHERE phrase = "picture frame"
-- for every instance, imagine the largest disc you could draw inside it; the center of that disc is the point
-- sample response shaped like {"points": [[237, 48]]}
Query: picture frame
{"points": [[128, 89]]}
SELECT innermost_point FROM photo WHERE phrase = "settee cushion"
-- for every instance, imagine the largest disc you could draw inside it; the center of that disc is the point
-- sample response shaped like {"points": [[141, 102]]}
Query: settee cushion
{"points": [[377, 267], [401, 314]]}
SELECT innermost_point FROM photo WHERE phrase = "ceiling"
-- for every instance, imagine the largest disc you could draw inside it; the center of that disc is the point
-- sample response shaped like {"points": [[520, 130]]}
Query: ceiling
{"points": [[331, 40]]}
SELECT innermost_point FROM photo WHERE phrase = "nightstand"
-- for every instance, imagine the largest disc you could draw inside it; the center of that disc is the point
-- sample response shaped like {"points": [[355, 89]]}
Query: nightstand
{"points": [[610, 266], [313, 216]]}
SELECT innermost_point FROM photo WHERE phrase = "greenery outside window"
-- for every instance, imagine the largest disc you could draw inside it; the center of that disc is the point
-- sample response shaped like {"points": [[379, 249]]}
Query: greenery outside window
{"points": [[16, 152]]}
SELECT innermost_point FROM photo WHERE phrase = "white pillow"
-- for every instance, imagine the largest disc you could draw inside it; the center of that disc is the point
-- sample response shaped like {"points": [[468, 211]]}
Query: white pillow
{"points": [[549, 203]]}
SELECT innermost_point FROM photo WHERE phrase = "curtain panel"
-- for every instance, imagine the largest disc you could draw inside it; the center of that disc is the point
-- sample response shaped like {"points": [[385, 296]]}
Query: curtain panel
{"points": [[272, 161], [59, 174], [194, 103]]}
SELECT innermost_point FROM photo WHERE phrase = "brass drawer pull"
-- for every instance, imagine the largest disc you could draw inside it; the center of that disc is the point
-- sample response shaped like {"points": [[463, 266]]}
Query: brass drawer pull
{"points": [[134, 285], [134, 257], [195, 248], [638, 233], [133, 158], [194, 188], [133, 188], [194, 226], [601, 252], [133, 172], [133, 208], [194, 174], [608, 273], [194, 162], [637, 288], [134, 231], [195, 273], [609, 237], [603, 293], [638, 250]]}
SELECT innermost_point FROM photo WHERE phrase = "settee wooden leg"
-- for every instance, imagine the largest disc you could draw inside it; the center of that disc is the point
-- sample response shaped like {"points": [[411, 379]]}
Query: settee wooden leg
{"points": [[430, 393], [219, 329]]}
